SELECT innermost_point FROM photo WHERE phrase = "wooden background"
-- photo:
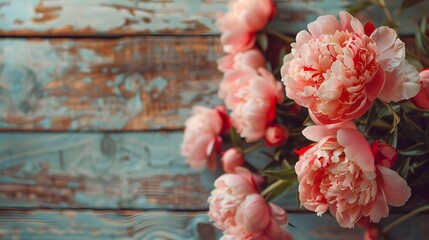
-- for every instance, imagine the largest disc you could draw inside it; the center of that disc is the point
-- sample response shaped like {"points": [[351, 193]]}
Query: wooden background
{"points": [[93, 97]]}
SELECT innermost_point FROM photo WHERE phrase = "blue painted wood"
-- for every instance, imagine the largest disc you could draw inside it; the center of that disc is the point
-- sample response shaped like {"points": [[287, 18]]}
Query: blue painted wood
{"points": [[71, 17], [142, 83], [46, 224], [97, 170]]}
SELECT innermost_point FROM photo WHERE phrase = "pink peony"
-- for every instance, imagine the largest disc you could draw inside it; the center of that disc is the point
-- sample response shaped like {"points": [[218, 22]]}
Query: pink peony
{"points": [[422, 98], [252, 58], [342, 173], [338, 68], [276, 135], [241, 213], [252, 97], [243, 19], [201, 138], [231, 159]]}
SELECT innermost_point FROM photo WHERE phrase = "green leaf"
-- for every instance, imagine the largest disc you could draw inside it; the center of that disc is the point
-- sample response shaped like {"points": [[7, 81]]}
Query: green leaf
{"points": [[277, 189], [421, 40], [409, 3], [392, 138], [263, 41], [357, 7], [411, 128], [298, 201], [416, 150], [404, 168], [376, 112], [427, 136], [284, 174]]}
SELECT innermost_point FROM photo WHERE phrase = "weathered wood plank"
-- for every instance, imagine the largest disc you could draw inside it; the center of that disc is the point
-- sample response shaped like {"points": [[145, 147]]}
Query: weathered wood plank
{"points": [[87, 224], [96, 170], [136, 83], [78, 17], [46, 224]]}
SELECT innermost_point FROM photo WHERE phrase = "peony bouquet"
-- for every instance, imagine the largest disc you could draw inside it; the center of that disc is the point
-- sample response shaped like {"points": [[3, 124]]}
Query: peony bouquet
{"points": [[342, 118]]}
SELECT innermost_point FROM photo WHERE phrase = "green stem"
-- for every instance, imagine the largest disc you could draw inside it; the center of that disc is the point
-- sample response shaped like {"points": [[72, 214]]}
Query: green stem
{"points": [[253, 148], [280, 35], [275, 184], [405, 217], [383, 5], [235, 139]]}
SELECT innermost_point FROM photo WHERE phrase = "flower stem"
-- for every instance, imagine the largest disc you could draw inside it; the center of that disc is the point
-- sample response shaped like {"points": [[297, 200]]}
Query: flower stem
{"points": [[383, 5], [280, 35], [405, 217]]}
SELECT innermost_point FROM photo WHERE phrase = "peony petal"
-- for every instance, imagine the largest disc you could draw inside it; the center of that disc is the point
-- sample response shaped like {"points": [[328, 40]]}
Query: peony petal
{"points": [[380, 209], [392, 50], [395, 188], [256, 213], [401, 84], [327, 24], [356, 148]]}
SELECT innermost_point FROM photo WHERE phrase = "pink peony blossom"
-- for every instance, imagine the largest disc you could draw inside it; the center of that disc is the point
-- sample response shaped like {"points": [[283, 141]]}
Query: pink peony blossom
{"points": [[338, 68], [241, 213], [276, 135], [252, 58], [422, 98], [201, 137], [243, 19], [231, 159], [343, 174], [252, 97]]}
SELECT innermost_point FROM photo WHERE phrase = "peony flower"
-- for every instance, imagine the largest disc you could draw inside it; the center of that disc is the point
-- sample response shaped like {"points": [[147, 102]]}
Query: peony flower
{"points": [[276, 135], [338, 68], [241, 212], [342, 173], [231, 159], [252, 97], [243, 19], [422, 98], [201, 137], [252, 58]]}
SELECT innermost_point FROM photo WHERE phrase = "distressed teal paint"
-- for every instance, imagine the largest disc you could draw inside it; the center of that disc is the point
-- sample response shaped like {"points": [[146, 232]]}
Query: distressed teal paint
{"points": [[177, 16], [28, 68], [122, 177], [101, 225]]}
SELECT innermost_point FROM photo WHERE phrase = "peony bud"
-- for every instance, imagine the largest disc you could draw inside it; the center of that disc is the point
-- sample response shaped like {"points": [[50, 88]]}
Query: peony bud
{"points": [[422, 98], [231, 159], [276, 135]]}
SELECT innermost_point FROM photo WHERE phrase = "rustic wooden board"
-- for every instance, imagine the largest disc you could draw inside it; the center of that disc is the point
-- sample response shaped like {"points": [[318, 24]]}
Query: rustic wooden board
{"points": [[96, 170], [68, 224], [117, 17], [161, 225], [136, 83]]}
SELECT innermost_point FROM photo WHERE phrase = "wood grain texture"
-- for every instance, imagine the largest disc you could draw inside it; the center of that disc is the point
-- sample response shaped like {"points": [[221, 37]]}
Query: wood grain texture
{"points": [[69, 224], [161, 225], [117, 17], [136, 83], [96, 170]]}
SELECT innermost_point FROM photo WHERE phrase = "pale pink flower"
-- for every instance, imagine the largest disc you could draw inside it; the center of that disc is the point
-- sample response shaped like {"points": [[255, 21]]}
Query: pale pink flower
{"points": [[252, 58], [343, 174], [252, 96], [243, 19], [201, 138], [276, 135], [338, 68], [231, 159], [422, 98], [241, 212]]}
